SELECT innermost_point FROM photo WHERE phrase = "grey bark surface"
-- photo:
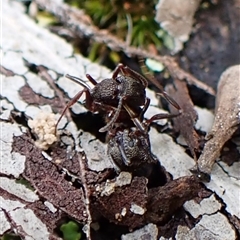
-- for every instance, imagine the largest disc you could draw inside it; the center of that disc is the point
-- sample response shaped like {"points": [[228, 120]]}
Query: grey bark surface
{"points": [[23, 41]]}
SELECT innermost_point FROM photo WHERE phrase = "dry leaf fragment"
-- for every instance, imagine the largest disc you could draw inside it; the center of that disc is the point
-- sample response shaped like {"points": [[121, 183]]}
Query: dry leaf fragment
{"points": [[226, 122], [163, 201], [185, 123], [45, 176]]}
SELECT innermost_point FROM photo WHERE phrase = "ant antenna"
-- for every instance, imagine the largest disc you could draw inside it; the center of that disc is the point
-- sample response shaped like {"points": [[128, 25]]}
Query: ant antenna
{"points": [[114, 118]]}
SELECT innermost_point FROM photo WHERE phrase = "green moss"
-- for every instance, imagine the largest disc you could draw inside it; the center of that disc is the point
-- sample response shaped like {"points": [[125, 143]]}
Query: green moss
{"points": [[131, 21], [25, 183], [46, 19], [10, 236], [70, 231]]}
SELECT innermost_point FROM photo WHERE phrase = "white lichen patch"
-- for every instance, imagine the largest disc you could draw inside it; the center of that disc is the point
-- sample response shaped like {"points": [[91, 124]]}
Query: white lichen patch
{"points": [[205, 119], [5, 115], [108, 188], [44, 127], [11, 91], [63, 121], [47, 156], [149, 231], [11, 163], [181, 140], [206, 206], [152, 95], [171, 155], [124, 178], [214, 227], [77, 108], [227, 188], [18, 189], [124, 212], [33, 111], [50, 206], [14, 62], [30, 223], [5, 225], [10, 205], [136, 209], [119, 216], [4, 103], [80, 70], [96, 152], [71, 88], [94, 71], [16, 164], [37, 44], [233, 170], [39, 86], [67, 140]]}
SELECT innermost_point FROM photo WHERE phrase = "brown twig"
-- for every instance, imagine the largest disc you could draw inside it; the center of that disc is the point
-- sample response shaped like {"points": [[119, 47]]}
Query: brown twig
{"points": [[79, 22], [226, 122], [87, 227]]}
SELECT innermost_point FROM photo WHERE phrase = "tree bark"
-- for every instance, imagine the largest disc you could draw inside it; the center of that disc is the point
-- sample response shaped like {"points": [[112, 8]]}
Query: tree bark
{"points": [[34, 63]]}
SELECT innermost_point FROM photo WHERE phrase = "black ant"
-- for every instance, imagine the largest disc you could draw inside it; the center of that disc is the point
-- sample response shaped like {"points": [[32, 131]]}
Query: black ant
{"points": [[129, 149], [121, 98]]}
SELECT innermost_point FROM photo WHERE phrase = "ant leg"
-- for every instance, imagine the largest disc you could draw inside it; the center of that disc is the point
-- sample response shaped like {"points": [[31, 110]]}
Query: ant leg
{"points": [[132, 114], [170, 100], [114, 118], [162, 93], [135, 120], [165, 115], [161, 116], [117, 70], [78, 81], [131, 73], [70, 103], [145, 107], [91, 79]]}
